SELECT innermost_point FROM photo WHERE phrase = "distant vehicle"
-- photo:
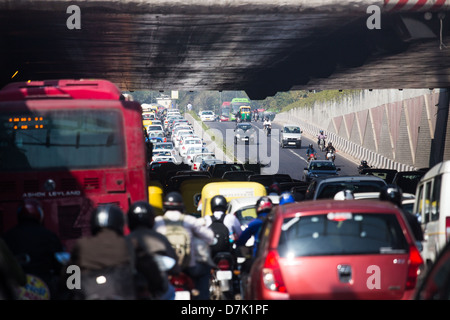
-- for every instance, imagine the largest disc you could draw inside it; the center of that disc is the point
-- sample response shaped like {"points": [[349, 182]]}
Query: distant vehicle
{"points": [[156, 136], [236, 103], [189, 143], [193, 151], [217, 169], [207, 115], [245, 114], [408, 180], [291, 136], [164, 159], [385, 174], [208, 163], [333, 249], [319, 168], [327, 187], [245, 132], [198, 159]]}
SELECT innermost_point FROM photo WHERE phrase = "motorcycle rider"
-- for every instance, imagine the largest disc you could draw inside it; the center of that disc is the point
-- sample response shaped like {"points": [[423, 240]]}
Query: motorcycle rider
{"points": [[331, 149], [199, 267], [263, 206], [218, 207], [34, 245], [285, 198], [310, 151], [267, 125], [363, 166], [321, 136], [105, 255], [151, 283]]}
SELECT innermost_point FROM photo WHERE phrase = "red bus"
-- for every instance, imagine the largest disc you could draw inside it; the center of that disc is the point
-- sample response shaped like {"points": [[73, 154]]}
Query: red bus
{"points": [[73, 145]]}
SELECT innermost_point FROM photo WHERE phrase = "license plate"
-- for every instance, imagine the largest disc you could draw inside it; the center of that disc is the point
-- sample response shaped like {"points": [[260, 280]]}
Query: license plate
{"points": [[291, 142], [224, 275], [182, 295], [245, 139]]}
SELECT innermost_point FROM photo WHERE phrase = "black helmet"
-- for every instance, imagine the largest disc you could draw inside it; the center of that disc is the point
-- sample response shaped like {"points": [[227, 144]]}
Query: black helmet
{"points": [[363, 162], [310, 145], [218, 203], [30, 211], [173, 201], [141, 213], [107, 216], [392, 193], [264, 204], [329, 143]]}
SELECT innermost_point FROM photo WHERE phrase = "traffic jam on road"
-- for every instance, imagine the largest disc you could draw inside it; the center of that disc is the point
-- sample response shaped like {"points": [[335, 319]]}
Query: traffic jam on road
{"points": [[275, 214], [336, 238]]}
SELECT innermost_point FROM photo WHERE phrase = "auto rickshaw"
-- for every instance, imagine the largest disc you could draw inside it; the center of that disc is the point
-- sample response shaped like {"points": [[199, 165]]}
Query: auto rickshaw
{"points": [[245, 113], [191, 191], [155, 196], [230, 190]]}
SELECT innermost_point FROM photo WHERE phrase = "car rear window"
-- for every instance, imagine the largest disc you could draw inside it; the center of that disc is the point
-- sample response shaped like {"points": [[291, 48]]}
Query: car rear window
{"points": [[328, 190], [341, 234]]}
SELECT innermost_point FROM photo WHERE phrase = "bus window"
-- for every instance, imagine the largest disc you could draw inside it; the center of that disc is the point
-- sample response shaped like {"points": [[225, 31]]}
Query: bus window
{"points": [[75, 139]]}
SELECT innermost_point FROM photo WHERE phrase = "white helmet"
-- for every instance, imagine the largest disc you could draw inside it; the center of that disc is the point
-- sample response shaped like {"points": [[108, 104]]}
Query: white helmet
{"points": [[344, 195]]}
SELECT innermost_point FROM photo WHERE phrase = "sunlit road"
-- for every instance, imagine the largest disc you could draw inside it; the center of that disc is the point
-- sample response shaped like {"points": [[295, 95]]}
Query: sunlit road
{"points": [[290, 161]]}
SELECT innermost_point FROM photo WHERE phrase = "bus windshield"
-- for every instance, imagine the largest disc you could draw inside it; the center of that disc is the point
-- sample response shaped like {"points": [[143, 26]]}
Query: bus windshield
{"points": [[55, 139], [236, 103]]}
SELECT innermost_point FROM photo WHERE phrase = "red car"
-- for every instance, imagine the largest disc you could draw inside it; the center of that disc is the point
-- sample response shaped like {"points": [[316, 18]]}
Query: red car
{"points": [[332, 249]]}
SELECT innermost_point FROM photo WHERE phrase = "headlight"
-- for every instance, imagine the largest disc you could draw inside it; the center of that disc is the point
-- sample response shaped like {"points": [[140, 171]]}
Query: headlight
{"points": [[238, 135]]}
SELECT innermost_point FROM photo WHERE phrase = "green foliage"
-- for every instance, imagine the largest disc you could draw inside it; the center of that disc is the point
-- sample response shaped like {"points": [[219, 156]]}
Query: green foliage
{"points": [[321, 96]]}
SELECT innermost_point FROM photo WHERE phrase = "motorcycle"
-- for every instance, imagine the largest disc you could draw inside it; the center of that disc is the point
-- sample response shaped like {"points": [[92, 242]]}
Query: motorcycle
{"points": [[184, 286], [321, 144], [362, 167], [330, 155], [268, 129], [312, 156], [223, 278]]}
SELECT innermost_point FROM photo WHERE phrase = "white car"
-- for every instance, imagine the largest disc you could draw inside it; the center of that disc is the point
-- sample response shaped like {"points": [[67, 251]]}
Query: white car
{"points": [[193, 151], [164, 146], [207, 115], [199, 158], [176, 138], [189, 143], [164, 158], [155, 127]]}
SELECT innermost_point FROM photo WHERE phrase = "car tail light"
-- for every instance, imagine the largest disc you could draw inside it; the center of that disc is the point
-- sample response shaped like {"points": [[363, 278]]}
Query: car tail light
{"points": [[415, 261], [272, 273], [195, 166], [447, 228], [223, 264]]}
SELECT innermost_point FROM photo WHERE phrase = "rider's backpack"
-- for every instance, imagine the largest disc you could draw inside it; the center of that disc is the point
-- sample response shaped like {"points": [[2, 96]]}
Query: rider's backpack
{"points": [[180, 240], [221, 235]]}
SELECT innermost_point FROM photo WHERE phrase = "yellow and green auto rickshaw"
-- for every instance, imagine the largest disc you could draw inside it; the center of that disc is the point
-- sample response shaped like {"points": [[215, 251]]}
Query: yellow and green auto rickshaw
{"points": [[245, 114]]}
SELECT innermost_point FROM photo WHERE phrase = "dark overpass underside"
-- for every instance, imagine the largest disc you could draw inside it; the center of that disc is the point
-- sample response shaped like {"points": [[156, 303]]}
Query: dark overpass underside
{"points": [[261, 47]]}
